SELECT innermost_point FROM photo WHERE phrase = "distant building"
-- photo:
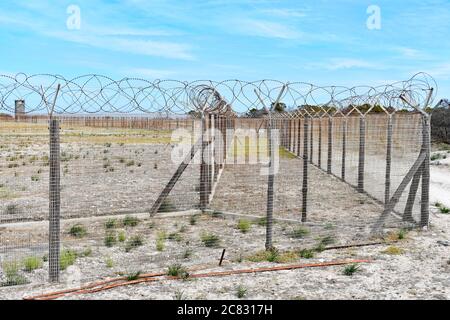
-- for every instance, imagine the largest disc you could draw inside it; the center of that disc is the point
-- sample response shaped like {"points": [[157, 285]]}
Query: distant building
{"points": [[19, 109], [444, 103]]}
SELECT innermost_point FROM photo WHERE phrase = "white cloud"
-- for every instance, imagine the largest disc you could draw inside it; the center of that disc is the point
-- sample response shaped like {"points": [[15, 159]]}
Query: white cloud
{"points": [[286, 13], [268, 29], [410, 53], [348, 63], [163, 49], [111, 38]]}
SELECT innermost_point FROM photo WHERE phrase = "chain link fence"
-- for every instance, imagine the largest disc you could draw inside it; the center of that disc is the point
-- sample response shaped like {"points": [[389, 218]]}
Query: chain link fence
{"points": [[102, 177]]}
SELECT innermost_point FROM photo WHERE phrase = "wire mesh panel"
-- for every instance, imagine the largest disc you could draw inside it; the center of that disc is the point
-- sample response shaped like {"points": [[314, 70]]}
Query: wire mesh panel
{"points": [[24, 171]]}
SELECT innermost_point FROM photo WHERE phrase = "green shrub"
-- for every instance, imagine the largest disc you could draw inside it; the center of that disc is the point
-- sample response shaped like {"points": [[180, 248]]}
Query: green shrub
{"points": [[393, 250], [177, 270], [32, 263], [351, 269], [193, 220], [241, 291], [300, 232], [77, 231], [175, 236], [110, 239], [444, 210], [133, 276], [11, 271], [210, 239], [262, 222], [327, 240], [109, 262], [160, 244], [67, 258], [402, 234], [134, 242], [130, 221], [243, 225], [111, 224], [122, 237], [160, 240], [307, 253]]}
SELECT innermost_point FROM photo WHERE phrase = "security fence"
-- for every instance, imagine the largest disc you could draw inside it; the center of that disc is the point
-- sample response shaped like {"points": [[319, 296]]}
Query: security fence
{"points": [[102, 177]]}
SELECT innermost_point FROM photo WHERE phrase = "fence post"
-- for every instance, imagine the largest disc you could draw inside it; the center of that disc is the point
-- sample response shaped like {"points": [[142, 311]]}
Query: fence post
{"points": [[305, 170], [425, 198], [203, 166], [270, 184], [54, 201], [319, 147], [344, 146], [362, 151], [311, 142], [387, 185], [299, 136], [330, 144]]}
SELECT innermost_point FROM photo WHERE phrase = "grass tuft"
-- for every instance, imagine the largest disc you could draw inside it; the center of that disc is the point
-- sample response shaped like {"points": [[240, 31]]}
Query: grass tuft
{"points": [[241, 291], [393, 250], [111, 224], [134, 242], [133, 276], [306, 253], [110, 239], [244, 225], [13, 278], [130, 221], [299, 232], [177, 270], [78, 231], [210, 240], [351, 269], [32, 263], [68, 258]]}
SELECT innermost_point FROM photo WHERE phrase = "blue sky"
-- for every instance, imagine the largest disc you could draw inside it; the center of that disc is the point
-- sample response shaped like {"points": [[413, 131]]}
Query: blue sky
{"points": [[323, 42]]}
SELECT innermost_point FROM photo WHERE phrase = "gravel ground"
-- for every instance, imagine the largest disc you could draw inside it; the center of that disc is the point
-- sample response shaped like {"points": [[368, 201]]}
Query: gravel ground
{"points": [[337, 214]]}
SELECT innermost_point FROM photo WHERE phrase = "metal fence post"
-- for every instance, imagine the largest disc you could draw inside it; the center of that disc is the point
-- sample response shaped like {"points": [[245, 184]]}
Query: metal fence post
{"points": [[270, 184], [54, 201], [311, 149], [305, 171], [203, 166], [362, 151], [330, 144], [319, 147], [344, 146], [387, 184], [299, 138], [425, 198]]}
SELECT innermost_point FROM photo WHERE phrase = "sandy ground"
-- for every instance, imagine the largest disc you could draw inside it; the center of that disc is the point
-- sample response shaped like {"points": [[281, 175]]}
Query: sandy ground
{"points": [[420, 271], [336, 212], [440, 178]]}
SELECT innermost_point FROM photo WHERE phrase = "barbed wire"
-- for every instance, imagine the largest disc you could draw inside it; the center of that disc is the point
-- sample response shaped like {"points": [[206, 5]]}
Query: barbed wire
{"points": [[95, 93]]}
